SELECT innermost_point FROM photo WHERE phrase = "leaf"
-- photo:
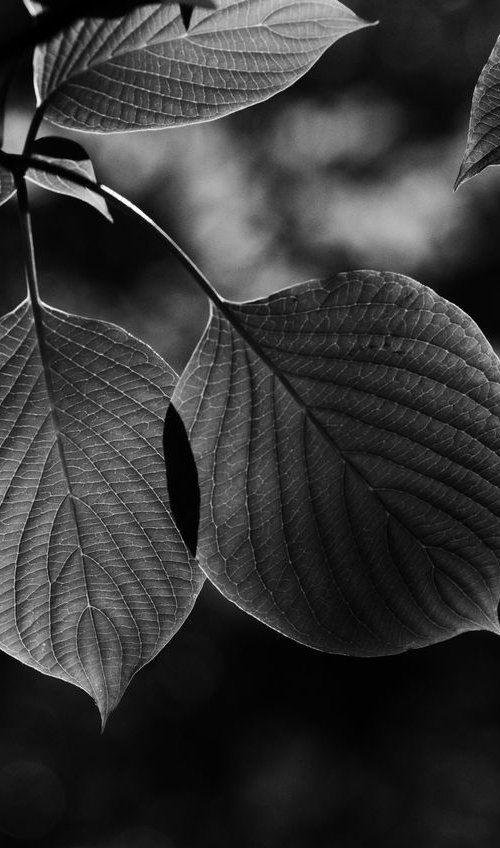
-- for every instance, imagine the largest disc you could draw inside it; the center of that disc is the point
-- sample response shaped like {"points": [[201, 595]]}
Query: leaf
{"points": [[7, 185], [72, 156], [101, 8], [349, 472], [483, 142], [146, 72], [94, 578]]}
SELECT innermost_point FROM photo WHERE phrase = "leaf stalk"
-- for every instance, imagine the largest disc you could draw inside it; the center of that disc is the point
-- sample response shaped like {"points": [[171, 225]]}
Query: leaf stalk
{"points": [[21, 163]]}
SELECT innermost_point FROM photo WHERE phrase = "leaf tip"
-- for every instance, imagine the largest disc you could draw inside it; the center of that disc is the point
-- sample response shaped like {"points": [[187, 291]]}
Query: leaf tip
{"points": [[470, 168], [362, 22], [105, 704], [104, 715], [461, 178], [105, 211]]}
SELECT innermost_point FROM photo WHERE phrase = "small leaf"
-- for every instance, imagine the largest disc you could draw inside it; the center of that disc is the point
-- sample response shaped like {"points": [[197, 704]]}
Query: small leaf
{"points": [[7, 185], [350, 469], [145, 71], [72, 156], [483, 142], [95, 578]]}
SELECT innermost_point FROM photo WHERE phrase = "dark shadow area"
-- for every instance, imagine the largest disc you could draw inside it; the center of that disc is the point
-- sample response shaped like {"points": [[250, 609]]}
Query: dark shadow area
{"points": [[182, 478]]}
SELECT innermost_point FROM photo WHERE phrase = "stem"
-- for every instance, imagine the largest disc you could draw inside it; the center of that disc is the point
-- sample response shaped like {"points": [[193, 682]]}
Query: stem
{"points": [[34, 127], [19, 164], [29, 257], [197, 275]]}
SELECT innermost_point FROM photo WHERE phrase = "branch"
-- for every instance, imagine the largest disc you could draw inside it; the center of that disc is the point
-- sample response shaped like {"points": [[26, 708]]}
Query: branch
{"points": [[19, 164]]}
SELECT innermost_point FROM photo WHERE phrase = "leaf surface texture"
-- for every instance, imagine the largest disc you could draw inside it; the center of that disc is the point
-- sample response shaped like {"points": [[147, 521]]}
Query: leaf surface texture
{"points": [[483, 142], [94, 576], [145, 71], [347, 440], [71, 156]]}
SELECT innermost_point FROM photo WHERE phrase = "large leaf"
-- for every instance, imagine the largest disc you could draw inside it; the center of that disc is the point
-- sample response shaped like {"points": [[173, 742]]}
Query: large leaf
{"points": [[483, 143], [94, 576], [350, 471], [145, 71], [69, 155]]}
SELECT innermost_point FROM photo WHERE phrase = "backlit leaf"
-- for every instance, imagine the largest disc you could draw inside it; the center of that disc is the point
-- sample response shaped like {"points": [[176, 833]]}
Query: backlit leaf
{"points": [[349, 472], [71, 156], [7, 185], [483, 143], [145, 71], [101, 8], [94, 576]]}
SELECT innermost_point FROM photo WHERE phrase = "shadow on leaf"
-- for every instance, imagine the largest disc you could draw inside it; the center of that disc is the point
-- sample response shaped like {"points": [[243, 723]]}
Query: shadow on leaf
{"points": [[182, 479]]}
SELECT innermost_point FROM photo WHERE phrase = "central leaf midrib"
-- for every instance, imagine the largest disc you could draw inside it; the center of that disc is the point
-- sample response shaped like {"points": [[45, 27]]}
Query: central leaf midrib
{"points": [[235, 324], [43, 349], [159, 40]]}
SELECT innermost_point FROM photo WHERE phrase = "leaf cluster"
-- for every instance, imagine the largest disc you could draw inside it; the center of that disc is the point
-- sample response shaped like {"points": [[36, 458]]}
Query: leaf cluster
{"points": [[329, 458]]}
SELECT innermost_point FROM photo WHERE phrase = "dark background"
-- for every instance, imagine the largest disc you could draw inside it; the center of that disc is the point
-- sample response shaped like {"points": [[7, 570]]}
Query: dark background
{"points": [[235, 736]]}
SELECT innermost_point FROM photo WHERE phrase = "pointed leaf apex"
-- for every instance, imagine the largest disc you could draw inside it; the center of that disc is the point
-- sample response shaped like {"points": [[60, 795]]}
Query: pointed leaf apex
{"points": [[104, 714], [462, 177]]}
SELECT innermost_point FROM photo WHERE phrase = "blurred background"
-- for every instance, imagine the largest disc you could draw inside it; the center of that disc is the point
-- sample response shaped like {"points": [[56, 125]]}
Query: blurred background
{"points": [[235, 736]]}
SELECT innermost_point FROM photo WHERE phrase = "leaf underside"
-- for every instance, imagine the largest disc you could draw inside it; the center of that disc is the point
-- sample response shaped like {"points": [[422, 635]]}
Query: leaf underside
{"points": [[483, 142], [94, 576], [145, 71], [350, 471]]}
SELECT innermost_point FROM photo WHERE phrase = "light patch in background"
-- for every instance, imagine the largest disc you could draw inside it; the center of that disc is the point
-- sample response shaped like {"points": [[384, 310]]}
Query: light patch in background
{"points": [[310, 190], [320, 188]]}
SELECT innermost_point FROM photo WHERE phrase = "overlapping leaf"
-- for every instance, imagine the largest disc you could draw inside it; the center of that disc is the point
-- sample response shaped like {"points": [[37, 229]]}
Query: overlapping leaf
{"points": [[94, 577], [69, 155], [483, 143], [144, 71], [350, 470]]}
